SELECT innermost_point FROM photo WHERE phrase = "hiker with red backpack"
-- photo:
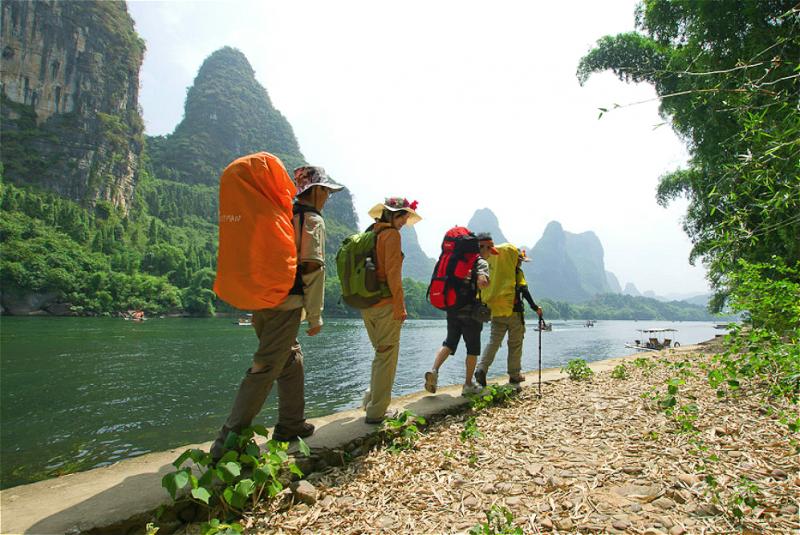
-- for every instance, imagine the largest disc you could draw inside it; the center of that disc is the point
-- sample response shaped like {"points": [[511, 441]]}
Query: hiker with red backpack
{"points": [[504, 296], [271, 260], [461, 272], [384, 318]]}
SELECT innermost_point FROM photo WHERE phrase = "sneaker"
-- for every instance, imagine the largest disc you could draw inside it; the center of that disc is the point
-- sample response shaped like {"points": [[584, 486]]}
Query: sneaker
{"points": [[431, 378], [366, 399], [281, 435], [480, 376], [516, 378], [471, 390]]}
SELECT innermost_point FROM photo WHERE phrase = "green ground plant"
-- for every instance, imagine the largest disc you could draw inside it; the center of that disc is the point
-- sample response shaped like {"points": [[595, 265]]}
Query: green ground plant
{"points": [[402, 431], [499, 521], [620, 372], [646, 365], [492, 395], [216, 527], [578, 370], [239, 479], [469, 435], [744, 496]]}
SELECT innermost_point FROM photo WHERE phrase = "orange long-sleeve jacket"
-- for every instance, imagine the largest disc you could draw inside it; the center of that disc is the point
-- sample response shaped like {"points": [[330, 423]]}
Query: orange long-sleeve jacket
{"points": [[389, 264]]}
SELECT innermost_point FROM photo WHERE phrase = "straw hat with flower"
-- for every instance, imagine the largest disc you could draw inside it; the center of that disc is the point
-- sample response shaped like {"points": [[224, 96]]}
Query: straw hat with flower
{"points": [[396, 204]]}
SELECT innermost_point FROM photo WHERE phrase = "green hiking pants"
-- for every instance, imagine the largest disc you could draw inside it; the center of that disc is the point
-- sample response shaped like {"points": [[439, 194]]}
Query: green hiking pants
{"points": [[279, 351], [514, 325]]}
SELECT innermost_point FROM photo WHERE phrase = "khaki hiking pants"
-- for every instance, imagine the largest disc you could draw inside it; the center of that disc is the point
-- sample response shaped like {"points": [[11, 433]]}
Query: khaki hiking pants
{"points": [[279, 351], [514, 325], [384, 333]]}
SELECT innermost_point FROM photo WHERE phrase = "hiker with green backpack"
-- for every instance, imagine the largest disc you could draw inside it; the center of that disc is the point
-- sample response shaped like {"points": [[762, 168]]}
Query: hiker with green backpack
{"points": [[370, 268]]}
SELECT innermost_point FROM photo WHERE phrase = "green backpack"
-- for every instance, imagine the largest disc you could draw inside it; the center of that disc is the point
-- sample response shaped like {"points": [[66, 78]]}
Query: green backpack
{"points": [[355, 263]]}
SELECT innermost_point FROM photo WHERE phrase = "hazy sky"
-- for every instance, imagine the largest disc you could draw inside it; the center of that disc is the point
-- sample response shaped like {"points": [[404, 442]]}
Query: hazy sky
{"points": [[459, 105]]}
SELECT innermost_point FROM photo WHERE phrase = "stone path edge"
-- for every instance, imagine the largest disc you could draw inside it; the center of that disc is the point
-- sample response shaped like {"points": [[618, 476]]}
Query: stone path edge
{"points": [[122, 497]]}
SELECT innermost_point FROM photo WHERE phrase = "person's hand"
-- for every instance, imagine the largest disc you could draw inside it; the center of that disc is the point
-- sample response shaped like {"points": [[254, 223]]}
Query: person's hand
{"points": [[483, 281], [400, 317], [539, 311], [313, 331]]}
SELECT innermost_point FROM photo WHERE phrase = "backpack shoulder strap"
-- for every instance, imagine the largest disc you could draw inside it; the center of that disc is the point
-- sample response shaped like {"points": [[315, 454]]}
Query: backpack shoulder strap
{"points": [[300, 210]]}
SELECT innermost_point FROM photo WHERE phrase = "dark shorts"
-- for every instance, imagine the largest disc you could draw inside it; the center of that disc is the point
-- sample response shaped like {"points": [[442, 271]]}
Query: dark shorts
{"points": [[459, 326]]}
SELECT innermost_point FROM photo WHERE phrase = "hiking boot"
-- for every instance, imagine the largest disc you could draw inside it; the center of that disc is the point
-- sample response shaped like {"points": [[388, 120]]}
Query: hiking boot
{"points": [[431, 378], [282, 435], [480, 377], [515, 386], [471, 390], [380, 419], [516, 378]]}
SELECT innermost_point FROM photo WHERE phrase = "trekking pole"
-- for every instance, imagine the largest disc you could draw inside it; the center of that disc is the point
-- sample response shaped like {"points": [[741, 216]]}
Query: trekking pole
{"points": [[541, 326]]}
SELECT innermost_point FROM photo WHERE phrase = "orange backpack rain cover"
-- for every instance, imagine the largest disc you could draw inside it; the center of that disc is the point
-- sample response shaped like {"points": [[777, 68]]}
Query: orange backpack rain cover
{"points": [[257, 257]]}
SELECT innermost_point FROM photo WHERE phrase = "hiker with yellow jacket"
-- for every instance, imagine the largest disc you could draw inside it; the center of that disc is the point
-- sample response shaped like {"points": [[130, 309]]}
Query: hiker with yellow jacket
{"points": [[504, 296], [384, 319]]}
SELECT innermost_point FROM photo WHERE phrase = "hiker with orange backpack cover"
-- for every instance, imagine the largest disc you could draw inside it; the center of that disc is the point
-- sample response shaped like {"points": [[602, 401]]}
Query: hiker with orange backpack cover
{"points": [[455, 289], [285, 289], [384, 319]]}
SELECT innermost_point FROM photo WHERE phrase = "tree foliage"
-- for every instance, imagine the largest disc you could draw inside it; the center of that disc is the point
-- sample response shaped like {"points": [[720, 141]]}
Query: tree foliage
{"points": [[728, 79], [625, 307], [728, 76]]}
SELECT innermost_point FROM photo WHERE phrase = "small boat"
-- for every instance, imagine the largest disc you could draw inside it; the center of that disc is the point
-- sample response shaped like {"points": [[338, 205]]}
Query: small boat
{"points": [[721, 326], [589, 323], [545, 327], [134, 315], [649, 340]]}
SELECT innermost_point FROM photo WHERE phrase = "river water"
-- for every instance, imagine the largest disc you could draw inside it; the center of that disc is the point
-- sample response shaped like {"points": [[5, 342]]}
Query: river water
{"points": [[78, 393]]}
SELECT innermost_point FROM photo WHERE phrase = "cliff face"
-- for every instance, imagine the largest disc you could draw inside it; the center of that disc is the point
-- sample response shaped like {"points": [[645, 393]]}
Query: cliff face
{"points": [[484, 220], [70, 84], [416, 264], [552, 274], [567, 266], [613, 283], [631, 289], [228, 114], [586, 252]]}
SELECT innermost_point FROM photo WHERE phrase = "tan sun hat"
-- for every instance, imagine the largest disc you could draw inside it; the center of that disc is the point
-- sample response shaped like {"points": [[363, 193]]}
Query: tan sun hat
{"points": [[396, 204]]}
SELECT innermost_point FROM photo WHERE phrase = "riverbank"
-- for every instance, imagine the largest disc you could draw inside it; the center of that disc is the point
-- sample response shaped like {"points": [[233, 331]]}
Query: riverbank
{"points": [[592, 457]]}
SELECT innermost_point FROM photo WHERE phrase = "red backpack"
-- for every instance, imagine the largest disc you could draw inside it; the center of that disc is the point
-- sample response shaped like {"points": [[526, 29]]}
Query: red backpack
{"points": [[452, 283]]}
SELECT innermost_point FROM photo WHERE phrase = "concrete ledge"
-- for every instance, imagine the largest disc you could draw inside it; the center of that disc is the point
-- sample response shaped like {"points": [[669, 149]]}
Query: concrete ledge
{"points": [[122, 498]]}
